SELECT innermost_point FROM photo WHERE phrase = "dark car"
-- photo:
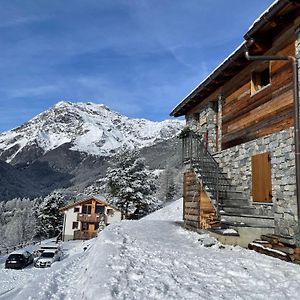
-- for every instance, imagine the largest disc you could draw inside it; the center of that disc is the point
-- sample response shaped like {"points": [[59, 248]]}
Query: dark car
{"points": [[19, 259]]}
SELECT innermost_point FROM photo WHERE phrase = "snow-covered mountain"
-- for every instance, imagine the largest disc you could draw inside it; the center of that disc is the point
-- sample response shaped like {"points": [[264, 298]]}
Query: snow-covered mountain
{"points": [[86, 127], [70, 146]]}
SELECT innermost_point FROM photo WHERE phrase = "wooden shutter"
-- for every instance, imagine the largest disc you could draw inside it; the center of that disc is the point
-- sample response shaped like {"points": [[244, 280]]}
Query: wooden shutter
{"points": [[261, 178]]}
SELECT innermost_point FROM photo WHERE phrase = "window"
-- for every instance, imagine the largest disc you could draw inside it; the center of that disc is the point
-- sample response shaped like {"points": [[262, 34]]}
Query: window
{"points": [[75, 225], [99, 209], [76, 209], [87, 209], [85, 226], [260, 79], [110, 212]]}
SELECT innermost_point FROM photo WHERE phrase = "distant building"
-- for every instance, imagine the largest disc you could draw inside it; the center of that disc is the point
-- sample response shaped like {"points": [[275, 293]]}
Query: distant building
{"points": [[83, 218]]}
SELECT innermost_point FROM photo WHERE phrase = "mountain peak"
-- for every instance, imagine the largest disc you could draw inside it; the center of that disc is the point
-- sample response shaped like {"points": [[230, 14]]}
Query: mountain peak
{"points": [[85, 126]]}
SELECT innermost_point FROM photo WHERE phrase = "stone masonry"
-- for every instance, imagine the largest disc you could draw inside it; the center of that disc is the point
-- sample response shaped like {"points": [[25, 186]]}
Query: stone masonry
{"points": [[236, 163]]}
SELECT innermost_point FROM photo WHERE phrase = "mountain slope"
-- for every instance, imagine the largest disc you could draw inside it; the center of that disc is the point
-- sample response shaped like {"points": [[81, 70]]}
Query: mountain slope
{"points": [[34, 180], [70, 145], [87, 127]]}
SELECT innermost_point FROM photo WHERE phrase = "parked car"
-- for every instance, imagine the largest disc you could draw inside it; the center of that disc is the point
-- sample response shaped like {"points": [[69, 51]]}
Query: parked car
{"points": [[19, 259], [47, 258], [48, 247]]}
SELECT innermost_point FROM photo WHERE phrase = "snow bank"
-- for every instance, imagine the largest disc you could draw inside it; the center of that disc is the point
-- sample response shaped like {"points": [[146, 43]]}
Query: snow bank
{"points": [[172, 212], [156, 258]]}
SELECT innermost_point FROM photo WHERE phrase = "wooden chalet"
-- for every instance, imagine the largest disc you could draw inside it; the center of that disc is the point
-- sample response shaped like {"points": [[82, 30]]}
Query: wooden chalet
{"points": [[239, 140], [83, 219]]}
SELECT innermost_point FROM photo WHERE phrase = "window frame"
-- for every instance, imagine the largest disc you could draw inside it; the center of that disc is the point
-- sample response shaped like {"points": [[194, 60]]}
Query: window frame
{"points": [[75, 225], [257, 78]]}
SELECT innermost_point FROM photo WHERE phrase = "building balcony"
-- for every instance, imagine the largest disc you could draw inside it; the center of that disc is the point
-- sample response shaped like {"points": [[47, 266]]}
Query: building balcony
{"points": [[89, 218], [84, 235]]}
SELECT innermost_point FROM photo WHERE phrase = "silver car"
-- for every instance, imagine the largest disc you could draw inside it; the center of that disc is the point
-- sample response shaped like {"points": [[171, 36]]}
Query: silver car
{"points": [[47, 258]]}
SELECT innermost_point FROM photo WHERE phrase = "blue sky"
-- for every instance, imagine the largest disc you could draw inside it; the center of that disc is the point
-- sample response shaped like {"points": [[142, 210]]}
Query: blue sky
{"points": [[139, 57]]}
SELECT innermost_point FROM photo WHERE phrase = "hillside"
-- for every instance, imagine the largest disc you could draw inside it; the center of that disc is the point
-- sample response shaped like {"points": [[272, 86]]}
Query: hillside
{"points": [[70, 146], [155, 258]]}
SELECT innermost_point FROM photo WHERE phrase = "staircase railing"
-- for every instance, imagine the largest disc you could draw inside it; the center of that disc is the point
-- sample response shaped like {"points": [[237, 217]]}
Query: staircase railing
{"points": [[195, 153]]}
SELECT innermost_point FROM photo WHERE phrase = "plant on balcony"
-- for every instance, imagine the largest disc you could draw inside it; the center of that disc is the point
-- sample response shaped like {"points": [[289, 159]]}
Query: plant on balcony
{"points": [[184, 132]]}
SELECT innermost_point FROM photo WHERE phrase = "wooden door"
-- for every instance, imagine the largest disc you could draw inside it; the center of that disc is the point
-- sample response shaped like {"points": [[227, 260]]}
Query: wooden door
{"points": [[91, 227], [261, 178]]}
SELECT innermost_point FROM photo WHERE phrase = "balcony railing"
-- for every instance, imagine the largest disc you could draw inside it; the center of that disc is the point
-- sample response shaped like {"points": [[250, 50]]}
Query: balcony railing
{"points": [[90, 218], [84, 235]]}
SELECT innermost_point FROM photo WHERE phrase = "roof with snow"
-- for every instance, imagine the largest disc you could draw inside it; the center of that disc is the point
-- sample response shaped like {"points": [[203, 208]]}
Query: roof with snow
{"points": [[20, 251], [86, 200], [273, 20]]}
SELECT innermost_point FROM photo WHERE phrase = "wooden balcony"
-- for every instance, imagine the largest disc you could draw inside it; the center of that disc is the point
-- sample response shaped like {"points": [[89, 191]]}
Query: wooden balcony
{"points": [[84, 235], [89, 218]]}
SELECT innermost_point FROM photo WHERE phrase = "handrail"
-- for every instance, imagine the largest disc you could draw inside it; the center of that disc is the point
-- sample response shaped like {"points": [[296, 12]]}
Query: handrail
{"points": [[196, 153]]}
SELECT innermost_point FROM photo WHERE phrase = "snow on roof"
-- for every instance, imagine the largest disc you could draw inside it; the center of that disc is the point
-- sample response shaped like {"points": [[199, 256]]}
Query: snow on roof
{"points": [[49, 250], [207, 78], [262, 15], [80, 202], [232, 54], [20, 251]]}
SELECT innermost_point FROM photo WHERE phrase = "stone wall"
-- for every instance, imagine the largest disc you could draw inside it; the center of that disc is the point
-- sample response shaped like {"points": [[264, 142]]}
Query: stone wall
{"points": [[205, 123], [236, 163]]}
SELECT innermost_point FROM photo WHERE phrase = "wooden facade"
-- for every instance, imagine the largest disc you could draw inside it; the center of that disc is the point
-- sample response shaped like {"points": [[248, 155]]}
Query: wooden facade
{"points": [[248, 114]]}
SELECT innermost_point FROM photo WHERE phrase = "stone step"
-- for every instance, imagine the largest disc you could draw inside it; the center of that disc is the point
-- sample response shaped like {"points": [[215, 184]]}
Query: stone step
{"points": [[234, 201], [211, 174], [210, 178], [247, 220], [247, 210], [222, 183], [239, 210], [233, 195]]}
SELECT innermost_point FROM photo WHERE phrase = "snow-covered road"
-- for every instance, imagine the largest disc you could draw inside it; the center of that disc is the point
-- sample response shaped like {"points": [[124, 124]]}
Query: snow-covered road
{"points": [[156, 258]]}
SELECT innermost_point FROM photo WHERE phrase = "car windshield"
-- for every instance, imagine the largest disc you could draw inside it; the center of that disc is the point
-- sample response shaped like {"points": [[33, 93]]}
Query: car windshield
{"points": [[47, 254], [16, 257]]}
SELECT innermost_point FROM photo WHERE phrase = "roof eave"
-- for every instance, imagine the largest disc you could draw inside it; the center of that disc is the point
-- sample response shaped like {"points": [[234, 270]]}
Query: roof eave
{"points": [[180, 110], [263, 19]]}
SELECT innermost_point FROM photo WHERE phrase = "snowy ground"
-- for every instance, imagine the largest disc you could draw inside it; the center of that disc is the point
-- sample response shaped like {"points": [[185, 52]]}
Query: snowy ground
{"points": [[155, 258]]}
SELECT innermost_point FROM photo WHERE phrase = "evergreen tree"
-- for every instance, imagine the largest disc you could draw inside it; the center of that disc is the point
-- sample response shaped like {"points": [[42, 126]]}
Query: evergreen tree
{"points": [[14, 229], [131, 184], [48, 218], [167, 186], [16, 222]]}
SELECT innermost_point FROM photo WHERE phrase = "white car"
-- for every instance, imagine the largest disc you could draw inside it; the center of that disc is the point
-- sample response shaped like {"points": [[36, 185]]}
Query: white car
{"points": [[47, 258]]}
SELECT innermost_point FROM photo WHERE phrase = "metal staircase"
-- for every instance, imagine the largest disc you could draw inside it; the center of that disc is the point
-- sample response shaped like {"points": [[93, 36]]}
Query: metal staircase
{"points": [[231, 205]]}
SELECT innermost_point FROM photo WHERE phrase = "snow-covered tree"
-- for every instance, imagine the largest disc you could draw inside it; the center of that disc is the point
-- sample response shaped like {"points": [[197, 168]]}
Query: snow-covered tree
{"points": [[167, 184], [131, 184], [48, 218], [17, 221], [14, 230]]}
